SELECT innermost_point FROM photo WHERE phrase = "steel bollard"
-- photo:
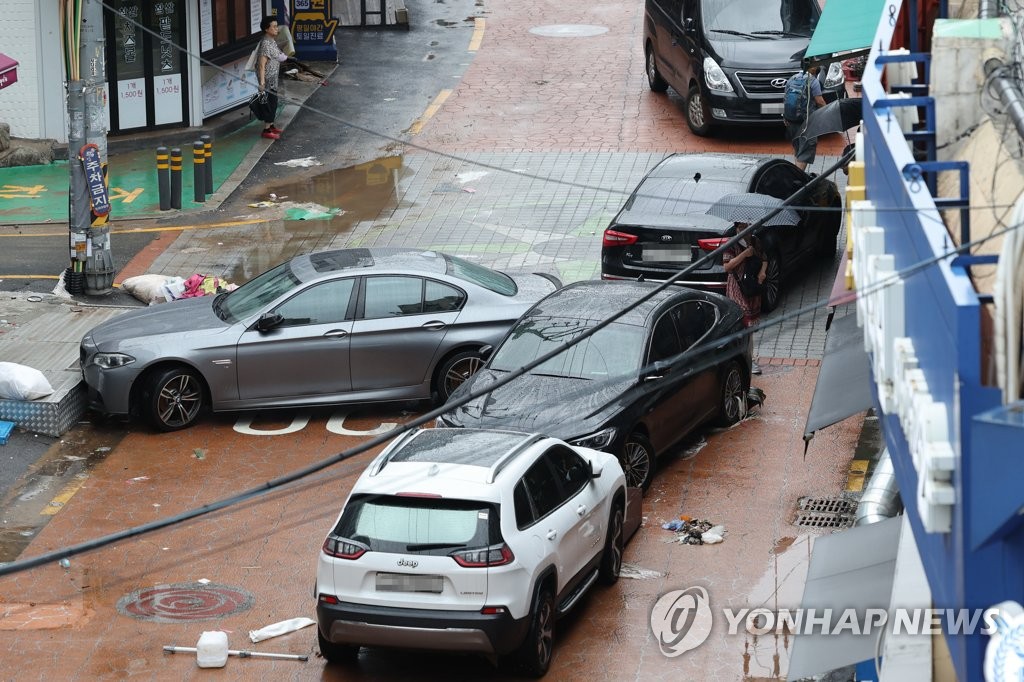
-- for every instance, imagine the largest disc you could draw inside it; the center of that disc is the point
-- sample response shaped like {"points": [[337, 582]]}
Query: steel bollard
{"points": [[208, 154], [175, 177], [163, 178], [199, 171]]}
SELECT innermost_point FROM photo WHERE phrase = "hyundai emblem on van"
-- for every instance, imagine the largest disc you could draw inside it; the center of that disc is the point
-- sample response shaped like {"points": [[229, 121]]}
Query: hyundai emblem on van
{"points": [[666, 237], [779, 83], [408, 562]]}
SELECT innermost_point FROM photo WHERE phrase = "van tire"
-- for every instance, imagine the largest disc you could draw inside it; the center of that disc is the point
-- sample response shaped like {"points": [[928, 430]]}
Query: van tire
{"points": [[698, 115], [654, 80]]}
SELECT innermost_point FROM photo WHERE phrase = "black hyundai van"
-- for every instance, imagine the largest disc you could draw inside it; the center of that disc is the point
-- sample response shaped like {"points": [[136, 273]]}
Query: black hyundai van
{"points": [[730, 59]]}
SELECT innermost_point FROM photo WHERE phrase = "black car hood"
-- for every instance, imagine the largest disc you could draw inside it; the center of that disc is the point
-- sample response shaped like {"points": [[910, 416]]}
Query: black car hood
{"points": [[556, 406], [758, 54]]}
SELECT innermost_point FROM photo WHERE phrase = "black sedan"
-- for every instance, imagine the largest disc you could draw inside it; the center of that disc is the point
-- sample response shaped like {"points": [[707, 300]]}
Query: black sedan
{"points": [[663, 227], [629, 389]]}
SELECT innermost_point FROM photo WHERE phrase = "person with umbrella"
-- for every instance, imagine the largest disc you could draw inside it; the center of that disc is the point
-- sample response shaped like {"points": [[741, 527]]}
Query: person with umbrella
{"points": [[746, 268]]}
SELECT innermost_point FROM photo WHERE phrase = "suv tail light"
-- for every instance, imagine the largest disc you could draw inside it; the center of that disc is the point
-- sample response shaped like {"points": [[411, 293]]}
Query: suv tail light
{"points": [[711, 244], [495, 555], [343, 548], [614, 238]]}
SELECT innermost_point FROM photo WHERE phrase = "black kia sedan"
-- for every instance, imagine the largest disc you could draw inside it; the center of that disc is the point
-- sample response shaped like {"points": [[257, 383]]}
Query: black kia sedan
{"points": [[634, 388], [663, 226]]}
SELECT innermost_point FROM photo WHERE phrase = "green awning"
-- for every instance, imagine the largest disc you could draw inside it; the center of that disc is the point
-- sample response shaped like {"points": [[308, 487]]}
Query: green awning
{"points": [[845, 29]]}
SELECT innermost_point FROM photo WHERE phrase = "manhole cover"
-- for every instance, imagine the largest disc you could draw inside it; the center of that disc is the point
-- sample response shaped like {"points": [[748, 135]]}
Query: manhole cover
{"points": [[568, 30], [184, 602]]}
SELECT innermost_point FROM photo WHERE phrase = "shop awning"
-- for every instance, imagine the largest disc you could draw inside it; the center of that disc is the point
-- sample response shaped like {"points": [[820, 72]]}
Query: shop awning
{"points": [[853, 569], [844, 380], [845, 29], [8, 71]]}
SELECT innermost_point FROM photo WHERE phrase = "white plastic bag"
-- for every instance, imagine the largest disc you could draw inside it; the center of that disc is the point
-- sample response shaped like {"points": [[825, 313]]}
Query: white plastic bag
{"points": [[173, 288], [713, 535], [250, 63], [18, 382], [282, 628], [147, 288]]}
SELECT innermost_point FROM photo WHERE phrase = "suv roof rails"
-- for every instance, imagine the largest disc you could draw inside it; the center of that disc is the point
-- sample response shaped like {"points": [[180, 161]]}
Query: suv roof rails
{"points": [[393, 449], [512, 454]]}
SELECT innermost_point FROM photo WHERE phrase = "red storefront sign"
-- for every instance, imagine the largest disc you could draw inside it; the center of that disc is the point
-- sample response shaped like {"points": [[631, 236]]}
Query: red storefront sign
{"points": [[8, 71]]}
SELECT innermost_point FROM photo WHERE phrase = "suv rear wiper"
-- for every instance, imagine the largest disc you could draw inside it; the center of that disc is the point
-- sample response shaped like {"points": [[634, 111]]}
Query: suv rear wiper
{"points": [[426, 546]]}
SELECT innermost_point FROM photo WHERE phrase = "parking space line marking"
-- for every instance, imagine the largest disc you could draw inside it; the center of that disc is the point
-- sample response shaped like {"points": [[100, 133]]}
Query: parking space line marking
{"points": [[478, 34], [416, 127], [62, 498]]}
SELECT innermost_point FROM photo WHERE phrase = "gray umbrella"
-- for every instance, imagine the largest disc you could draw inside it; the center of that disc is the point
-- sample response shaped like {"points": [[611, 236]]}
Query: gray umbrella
{"points": [[835, 117], [749, 207]]}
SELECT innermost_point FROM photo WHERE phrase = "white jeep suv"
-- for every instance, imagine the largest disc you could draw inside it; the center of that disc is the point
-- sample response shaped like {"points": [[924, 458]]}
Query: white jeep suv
{"points": [[469, 540]]}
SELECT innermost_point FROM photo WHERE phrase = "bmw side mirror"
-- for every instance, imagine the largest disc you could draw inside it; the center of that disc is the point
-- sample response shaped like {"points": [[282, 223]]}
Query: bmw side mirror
{"points": [[268, 321], [595, 470]]}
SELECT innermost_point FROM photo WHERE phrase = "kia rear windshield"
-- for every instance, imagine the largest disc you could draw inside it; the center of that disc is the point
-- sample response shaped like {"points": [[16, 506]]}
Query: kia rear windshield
{"points": [[418, 525], [783, 18]]}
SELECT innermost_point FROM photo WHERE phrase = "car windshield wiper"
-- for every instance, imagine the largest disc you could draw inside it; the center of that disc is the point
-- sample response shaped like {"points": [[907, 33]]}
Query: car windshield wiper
{"points": [[557, 376], [426, 546], [731, 32], [788, 34]]}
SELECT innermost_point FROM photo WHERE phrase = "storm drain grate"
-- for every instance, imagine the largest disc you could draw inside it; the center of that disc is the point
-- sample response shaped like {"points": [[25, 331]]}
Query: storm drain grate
{"points": [[832, 505], [826, 512]]}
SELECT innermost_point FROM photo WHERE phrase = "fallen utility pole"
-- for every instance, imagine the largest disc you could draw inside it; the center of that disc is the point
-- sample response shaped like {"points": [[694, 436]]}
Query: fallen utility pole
{"points": [[240, 654]]}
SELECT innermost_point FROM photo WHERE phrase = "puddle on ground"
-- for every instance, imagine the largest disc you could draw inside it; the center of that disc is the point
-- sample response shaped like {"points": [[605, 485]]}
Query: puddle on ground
{"points": [[358, 193], [780, 587]]}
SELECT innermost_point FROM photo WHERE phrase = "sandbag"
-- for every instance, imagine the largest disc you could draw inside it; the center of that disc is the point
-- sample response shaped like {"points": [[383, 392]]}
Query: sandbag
{"points": [[147, 288], [19, 382]]}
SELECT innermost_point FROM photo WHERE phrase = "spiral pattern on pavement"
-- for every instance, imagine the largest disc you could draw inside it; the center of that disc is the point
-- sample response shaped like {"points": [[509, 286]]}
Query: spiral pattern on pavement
{"points": [[184, 602]]}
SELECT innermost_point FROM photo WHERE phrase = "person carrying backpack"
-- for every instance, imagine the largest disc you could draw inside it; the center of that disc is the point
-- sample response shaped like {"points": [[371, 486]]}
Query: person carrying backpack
{"points": [[803, 95]]}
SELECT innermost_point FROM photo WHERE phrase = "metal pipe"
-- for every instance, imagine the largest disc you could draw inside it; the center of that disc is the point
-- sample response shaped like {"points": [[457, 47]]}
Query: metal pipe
{"points": [[239, 652], [988, 9], [881, 498], [1008, 92]]}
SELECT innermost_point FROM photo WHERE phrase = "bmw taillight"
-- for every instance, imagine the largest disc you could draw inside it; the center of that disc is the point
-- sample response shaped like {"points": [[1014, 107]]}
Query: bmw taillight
{"points": [[343, 548], [615, 238], [711, 244], [495, 555]]}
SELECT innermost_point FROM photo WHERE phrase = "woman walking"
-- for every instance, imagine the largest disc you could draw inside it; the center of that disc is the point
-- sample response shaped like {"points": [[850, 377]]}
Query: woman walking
{"points": [[268, 65], [749, 259]]}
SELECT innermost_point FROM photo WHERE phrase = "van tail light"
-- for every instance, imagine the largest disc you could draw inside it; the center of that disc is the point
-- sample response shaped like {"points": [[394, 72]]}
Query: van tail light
{"points": [[495, 555], [343, 548], [711, 244], [615, 238]]}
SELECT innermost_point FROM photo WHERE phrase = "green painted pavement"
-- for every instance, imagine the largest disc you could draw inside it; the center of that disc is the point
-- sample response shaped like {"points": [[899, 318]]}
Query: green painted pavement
{"points": [[39, 194]]}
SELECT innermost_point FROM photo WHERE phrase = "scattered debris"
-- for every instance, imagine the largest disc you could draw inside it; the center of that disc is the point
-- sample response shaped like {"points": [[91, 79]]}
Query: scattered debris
{"points": [[695, 531], [311, 212], [137, 479], [304, 162], [469, 176], [64, 563], [237, 652], [469, 189], [281, 628], [637, 573], [199, 453], [203, 581]]}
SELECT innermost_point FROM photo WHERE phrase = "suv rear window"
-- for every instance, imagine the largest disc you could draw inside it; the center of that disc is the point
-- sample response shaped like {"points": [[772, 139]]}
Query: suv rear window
{"points": [[419, 525]]}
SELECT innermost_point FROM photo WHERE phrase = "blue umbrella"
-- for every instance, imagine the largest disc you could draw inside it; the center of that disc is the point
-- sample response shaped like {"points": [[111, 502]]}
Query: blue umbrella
{"points": [[749, 207]]}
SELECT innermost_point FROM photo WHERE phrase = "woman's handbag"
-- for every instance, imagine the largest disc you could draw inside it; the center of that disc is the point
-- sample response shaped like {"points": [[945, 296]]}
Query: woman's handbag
{"points": [[260, 106], [749, 276]]}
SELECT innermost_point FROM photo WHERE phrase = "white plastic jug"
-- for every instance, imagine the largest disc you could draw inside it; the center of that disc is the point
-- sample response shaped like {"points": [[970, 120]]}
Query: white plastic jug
{"points": [[212, 649]]}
